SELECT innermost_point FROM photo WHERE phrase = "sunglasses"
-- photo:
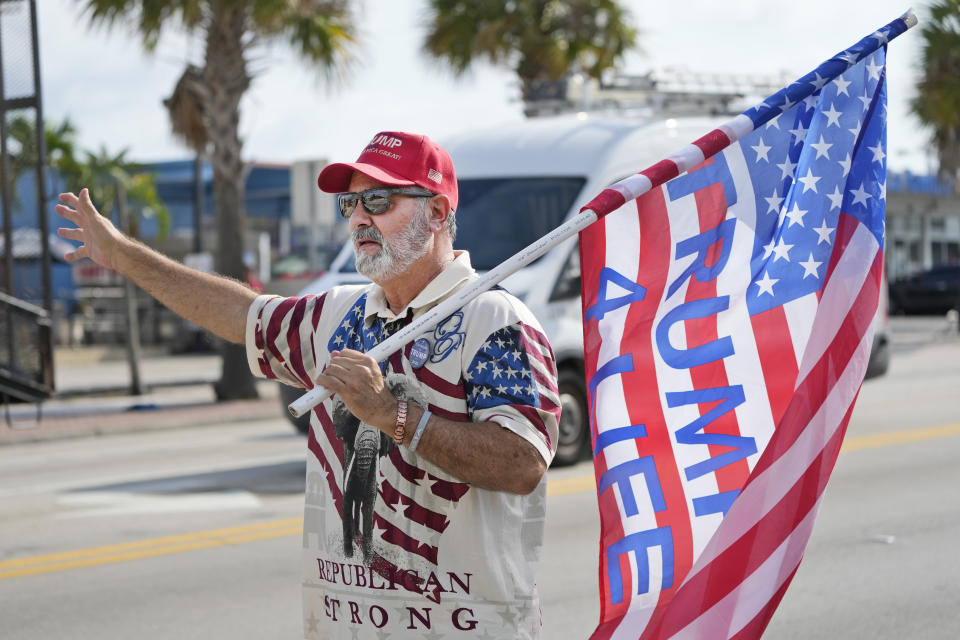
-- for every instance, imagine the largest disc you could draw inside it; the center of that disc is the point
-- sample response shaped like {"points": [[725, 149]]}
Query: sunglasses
{"points": [[378, 200]]}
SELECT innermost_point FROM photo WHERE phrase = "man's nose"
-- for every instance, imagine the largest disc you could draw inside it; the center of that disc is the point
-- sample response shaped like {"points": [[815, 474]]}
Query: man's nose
{"points": [[359, 217]]}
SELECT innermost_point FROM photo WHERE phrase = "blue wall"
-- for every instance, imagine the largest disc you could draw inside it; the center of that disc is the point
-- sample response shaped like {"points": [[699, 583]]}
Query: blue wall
{"points": [[267, 194], [267, 197]]}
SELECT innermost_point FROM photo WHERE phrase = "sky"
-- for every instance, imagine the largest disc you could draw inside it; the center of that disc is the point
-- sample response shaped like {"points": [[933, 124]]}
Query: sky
{"points": [[112, 91]]}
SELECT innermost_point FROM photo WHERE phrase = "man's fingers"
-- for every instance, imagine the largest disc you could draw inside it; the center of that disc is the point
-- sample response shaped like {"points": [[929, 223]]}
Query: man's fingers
{"points": [[69, 198], [330, 382], [70, 234], [66, 212], [81, 252], [356, 357], [85, 198], [339, 371]]}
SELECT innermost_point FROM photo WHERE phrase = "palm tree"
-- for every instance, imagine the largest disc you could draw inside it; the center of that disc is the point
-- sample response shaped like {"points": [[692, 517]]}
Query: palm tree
{"points": [[101, 171], [320, 31], [937, 102], [541, 40], [59, 142], [104, 173]]}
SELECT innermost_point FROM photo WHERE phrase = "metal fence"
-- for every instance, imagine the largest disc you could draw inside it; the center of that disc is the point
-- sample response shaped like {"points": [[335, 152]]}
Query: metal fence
{"points": [[25, 353], [26, 363]]}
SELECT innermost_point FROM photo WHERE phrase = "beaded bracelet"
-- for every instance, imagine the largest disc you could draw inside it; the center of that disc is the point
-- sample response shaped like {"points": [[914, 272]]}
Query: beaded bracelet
{"points": [[400, 430]]}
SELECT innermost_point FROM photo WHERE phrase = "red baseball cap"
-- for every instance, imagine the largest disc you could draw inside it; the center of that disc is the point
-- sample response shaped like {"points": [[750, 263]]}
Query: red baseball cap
{"points": [[398, 159]]}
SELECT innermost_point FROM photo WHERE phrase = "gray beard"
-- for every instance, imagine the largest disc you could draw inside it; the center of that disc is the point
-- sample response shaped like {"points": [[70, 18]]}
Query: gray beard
{"points": [[395, 256]]}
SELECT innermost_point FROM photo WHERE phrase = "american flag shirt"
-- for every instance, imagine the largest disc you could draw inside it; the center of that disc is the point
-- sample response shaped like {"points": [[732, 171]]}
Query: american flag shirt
{"points": [[394, 546]]}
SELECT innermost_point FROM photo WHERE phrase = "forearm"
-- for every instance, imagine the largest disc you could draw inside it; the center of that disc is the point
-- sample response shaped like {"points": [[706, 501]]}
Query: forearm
{"points": [[213, 302], [483, 454]]}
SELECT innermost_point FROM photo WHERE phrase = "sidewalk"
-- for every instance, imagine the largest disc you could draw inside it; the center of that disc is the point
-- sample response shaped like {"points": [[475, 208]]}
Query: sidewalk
{"points": [[93, 396]]}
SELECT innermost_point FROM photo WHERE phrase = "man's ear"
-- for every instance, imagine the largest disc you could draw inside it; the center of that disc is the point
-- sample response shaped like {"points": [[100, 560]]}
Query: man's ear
{"points": [[439, 212]]}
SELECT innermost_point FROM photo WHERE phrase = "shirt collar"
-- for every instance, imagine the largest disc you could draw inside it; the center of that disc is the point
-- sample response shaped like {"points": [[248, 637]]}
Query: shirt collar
{"points": [[455, 273]]}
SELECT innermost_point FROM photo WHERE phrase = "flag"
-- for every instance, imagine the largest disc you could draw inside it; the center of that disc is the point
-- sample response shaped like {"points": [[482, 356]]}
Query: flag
{"points": [[727, 328]]}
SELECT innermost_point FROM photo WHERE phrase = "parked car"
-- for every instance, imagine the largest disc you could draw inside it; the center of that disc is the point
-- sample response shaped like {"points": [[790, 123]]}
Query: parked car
{"points": [[519, 182], [936, 290]]}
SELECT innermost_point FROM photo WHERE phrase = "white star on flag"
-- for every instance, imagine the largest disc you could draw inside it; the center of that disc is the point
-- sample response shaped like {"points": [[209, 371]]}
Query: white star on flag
{"points": [[849, 57], [809, 181], [773, 202], [761, 150], [787, 168], [796, 215], [799, 133], [878, 154], [845, 163], [766, 284], [874, 70], [782, 250], [810, 267], [833, 116], [842, 86], [824, 232], [836, 198], [860, 196], [822, 148]]}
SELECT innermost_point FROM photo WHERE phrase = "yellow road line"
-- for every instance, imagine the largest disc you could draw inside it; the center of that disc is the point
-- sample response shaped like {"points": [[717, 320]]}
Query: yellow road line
{"points": [[567, 486], [149, 548], [19, 567], [899, 437]]}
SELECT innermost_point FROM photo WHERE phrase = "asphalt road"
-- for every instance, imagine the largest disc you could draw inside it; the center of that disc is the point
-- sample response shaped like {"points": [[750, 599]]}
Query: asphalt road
{"points": [[194, 533]]}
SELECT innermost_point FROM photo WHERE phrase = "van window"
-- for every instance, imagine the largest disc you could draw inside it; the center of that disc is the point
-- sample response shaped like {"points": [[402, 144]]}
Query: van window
{"points": [[498, 217]]}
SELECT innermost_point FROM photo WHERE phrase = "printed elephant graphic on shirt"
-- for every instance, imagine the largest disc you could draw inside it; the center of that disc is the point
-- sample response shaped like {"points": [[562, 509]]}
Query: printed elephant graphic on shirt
{"points": [[363, 446]]}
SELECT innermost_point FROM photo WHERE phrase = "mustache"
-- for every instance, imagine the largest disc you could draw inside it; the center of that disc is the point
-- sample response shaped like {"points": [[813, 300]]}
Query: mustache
{"points": [[366, 233]]}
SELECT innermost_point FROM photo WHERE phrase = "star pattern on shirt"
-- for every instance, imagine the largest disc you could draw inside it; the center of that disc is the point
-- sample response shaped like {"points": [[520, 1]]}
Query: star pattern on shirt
{"points": [[360, 333], [500, 373], [312, 623]]}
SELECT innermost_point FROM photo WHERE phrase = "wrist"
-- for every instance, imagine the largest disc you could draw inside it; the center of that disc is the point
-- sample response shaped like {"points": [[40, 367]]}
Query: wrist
{"points": [[118, 255]]}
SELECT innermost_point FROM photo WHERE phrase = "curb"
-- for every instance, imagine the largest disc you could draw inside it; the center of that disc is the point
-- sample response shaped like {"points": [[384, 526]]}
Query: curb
{"points": [[139, 418]]}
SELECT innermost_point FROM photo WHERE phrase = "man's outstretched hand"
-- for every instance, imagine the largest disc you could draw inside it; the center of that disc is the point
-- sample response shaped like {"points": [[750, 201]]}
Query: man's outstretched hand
{"points": [[99, 237]]}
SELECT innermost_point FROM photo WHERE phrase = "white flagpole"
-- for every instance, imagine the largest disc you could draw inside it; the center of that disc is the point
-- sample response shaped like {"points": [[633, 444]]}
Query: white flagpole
{"points": [[462, 296]]}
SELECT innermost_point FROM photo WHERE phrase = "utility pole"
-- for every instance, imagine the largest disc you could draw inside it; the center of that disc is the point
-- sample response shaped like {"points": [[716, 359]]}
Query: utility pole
{"points": [[130, 300]]}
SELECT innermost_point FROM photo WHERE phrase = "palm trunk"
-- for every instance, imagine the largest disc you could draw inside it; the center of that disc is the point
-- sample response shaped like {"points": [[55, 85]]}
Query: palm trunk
{"points": [[226, 79]]}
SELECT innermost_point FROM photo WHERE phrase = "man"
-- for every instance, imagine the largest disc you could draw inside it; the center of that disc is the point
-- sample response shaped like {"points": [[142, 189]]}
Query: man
{"points": [[425, 477]]}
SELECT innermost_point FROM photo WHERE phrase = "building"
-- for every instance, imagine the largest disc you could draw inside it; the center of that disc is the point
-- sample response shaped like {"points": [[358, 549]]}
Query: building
{"points": [[923, 224]]}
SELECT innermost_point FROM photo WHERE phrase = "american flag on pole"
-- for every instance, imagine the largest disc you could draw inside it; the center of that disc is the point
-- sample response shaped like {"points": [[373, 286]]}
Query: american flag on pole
{"points": [[728, 316]]}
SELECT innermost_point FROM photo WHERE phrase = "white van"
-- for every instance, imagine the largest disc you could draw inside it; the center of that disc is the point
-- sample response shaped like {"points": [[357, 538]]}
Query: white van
{"points": [[517, 182]]}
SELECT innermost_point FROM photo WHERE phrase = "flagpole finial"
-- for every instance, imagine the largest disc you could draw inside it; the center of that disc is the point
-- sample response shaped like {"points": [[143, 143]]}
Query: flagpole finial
{"points": [[910, 18]]}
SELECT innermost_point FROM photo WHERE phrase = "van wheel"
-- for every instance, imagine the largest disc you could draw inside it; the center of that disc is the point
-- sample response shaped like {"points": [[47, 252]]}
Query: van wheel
{"points": [[574, 440]]}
